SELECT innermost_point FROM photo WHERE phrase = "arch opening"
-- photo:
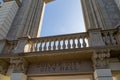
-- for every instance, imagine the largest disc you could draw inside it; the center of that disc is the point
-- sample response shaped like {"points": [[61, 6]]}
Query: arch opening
{"points": [[63, 17]]}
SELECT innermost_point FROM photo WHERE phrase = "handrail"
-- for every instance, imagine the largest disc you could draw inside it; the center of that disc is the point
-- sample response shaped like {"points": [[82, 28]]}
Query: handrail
{"points": [[61, 42]]}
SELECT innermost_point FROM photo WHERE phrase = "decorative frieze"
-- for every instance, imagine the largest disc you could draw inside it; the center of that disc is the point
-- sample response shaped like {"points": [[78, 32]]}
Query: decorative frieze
{"points": [[63, 67], [101, 59]]}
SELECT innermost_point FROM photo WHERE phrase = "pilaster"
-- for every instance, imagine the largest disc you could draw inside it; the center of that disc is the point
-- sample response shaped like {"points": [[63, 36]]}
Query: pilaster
{"points": [[100, 64], [95, 38], [19, 68], [100, 14], [118, 35], [18, 76], [20, 48], [2, 45]]}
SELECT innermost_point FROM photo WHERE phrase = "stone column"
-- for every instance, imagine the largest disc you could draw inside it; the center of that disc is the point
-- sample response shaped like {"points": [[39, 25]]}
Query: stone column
{"points": [[2, 44], [118, 35], [18, 76], [19, 66], [100, 61], [21, 46], [100, 14], [95, 38], [28, 19]]}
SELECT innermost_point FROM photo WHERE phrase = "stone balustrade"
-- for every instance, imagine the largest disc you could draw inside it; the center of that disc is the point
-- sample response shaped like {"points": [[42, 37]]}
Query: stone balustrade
{"points": [[110, 37], [61, 42]]}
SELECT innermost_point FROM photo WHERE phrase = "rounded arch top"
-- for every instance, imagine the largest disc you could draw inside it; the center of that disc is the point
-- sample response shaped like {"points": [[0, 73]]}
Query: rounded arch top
{"points": [[47, 1]]}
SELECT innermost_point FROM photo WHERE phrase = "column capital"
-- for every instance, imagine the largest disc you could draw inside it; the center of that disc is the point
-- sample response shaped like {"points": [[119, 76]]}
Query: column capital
{"points": [[3, 67], [19, 65], [100, 59]]}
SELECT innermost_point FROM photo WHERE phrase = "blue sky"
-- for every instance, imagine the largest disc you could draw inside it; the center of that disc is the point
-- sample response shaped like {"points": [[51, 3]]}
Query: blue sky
{"points": [[63, 17]]}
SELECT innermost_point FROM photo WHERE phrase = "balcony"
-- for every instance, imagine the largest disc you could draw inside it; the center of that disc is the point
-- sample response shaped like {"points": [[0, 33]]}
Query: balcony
{"points": [[79, 43]]}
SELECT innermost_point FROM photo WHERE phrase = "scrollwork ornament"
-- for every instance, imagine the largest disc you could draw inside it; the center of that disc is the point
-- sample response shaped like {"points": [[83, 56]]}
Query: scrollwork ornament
{"points": [[100, 59], [19, 65]]}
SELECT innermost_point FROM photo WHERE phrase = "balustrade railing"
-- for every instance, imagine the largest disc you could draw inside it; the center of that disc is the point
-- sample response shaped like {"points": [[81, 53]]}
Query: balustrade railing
{"points": [[110, 37], [61, 42]]}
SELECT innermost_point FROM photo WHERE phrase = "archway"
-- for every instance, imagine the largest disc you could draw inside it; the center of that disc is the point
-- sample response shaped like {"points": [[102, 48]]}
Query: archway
{"points": [[63, 17]]}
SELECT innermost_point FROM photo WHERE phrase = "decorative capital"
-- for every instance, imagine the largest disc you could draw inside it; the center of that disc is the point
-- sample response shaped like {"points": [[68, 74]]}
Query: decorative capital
{"points": [[100, 59], [19, 65], [3, 67]]}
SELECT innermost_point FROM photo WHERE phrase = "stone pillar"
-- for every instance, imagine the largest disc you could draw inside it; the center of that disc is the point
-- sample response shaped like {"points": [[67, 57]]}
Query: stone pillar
{"points": [[100, 14], [20, 48], [28, 19], [18, 76], [95, 38], [118, 35], [103, 74], [19, 66], [2, 45], [101, 62]]}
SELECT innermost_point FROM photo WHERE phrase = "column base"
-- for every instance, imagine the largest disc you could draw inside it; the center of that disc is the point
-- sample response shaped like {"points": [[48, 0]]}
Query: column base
{"points": [[103, 74], [18, 76]]}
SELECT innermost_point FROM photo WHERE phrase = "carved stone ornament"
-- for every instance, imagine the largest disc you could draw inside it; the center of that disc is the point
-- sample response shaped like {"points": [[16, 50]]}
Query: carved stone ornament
{"points": [[3, 67], [18, 65], [101, 59]]}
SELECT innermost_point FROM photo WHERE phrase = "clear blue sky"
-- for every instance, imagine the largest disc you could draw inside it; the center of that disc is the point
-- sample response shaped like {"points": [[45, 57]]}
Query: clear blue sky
{"points": [[63, 17]]}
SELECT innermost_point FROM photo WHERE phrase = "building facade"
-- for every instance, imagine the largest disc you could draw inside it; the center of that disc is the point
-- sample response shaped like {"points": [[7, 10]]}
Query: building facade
{"points": [[118, 3], [8, 11], [92, 55]]}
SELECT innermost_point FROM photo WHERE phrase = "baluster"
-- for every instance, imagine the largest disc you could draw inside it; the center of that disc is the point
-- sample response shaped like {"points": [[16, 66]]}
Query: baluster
{"points": [[49, 47], [45, 46], [59, 45], [84, 43], [64, 45], [69, 45], [74, 44], [107, 40], [36, 46], [79, 44], [31, 49], [40, 48], [54, 45], [113, 41]]}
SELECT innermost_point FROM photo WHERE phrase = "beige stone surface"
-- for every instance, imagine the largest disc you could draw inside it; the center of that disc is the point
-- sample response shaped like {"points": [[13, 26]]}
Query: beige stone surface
{"points": [[2, 77]]}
